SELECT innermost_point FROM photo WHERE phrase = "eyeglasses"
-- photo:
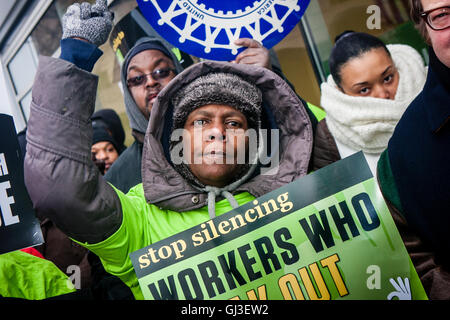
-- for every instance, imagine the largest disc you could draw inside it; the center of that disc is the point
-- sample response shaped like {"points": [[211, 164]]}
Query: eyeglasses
{"points": [[156, 75], [437, 19]]}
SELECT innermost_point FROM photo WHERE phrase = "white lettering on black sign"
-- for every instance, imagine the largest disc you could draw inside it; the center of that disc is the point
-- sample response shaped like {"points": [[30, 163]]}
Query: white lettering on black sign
{"points": [[6, 201], [3, 167]]}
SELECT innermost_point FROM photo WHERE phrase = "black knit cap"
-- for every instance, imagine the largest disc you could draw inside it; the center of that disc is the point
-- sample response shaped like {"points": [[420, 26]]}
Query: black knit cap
{"points": [[110, 120], [100, 134]]}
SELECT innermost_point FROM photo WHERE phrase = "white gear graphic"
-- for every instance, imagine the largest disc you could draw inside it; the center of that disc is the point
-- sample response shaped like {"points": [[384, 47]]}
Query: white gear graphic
{"points": [[229, 14], [230, 22]]}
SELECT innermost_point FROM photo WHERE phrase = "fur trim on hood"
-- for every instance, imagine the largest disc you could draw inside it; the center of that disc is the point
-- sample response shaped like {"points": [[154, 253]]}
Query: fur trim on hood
{"points": [[290, 151]]}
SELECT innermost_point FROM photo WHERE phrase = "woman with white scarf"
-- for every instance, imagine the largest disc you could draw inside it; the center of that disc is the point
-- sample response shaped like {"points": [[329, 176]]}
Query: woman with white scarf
{"points": [[369, 88]]}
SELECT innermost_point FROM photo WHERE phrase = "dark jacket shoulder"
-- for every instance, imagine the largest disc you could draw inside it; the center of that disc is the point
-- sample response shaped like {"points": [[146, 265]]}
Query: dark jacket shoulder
{"points": [[325, 150], [418, 157], [435, 277]]}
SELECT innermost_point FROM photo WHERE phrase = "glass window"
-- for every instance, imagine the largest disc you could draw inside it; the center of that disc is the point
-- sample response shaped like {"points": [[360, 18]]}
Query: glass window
{"points": [[22, 67], [47, 33], [44, 39], [296, 65]]}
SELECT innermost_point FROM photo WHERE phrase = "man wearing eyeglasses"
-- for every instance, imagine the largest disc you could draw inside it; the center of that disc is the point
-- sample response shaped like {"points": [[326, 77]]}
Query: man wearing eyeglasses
{"points": [[147, 68], [414, 171], [434, 20]]}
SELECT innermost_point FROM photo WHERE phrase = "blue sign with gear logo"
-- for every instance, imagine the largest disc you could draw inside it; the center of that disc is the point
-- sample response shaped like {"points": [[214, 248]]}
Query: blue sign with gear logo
{"points": [[208, 28]]}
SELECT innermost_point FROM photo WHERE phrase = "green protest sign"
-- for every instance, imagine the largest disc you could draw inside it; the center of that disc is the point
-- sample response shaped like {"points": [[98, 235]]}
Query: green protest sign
{"points": [[326, 236]]}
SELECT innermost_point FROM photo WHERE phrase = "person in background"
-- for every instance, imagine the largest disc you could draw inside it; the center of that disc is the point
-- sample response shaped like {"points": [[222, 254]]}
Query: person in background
{"points": [[109, 119], [414, 171], [171, 198], [369, 88], [147, 68], [105, 149]]}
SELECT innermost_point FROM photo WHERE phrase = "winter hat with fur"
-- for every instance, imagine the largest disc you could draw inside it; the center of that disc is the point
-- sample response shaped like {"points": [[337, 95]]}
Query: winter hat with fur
{"points": [[221, 89]]}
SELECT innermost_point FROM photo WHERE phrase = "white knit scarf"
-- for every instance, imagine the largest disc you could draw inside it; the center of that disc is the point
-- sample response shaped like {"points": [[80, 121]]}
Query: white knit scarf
{"points": [[366, 123]]}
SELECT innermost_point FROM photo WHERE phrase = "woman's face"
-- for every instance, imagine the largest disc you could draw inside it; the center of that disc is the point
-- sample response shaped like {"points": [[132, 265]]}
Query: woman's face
{"points": [[373, 74], [215, 136]]}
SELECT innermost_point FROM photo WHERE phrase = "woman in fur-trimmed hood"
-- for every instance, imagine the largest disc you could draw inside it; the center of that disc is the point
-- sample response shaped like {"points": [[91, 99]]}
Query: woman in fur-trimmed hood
{"points": [[102, 218]]}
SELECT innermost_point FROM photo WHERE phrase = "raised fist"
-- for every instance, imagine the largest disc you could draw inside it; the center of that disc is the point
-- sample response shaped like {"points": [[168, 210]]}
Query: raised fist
{"points": [[91, 23]]}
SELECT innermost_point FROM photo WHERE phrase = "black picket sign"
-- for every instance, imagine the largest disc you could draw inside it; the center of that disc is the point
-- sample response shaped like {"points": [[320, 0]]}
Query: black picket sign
{"points": [[19, 227]]}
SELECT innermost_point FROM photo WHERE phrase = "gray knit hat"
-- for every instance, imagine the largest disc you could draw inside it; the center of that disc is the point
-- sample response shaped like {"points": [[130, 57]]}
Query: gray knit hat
{"points": [[222, 89]]}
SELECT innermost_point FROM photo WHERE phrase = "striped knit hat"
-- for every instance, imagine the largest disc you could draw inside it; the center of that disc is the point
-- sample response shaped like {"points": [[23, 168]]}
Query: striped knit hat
{"points": [[221, 89]]}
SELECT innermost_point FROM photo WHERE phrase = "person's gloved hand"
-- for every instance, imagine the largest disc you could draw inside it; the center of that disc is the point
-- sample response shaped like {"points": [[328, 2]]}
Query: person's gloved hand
{"points": [[91, 23]]}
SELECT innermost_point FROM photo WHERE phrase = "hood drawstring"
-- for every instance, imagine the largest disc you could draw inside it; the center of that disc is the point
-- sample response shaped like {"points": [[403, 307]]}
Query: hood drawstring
{"points": [[225, 192], [213, 192]]}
